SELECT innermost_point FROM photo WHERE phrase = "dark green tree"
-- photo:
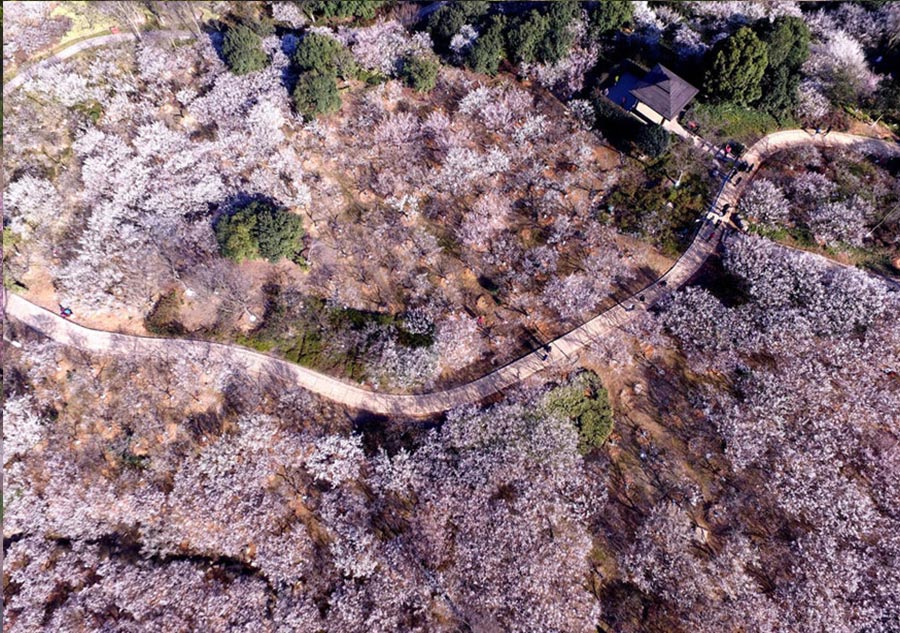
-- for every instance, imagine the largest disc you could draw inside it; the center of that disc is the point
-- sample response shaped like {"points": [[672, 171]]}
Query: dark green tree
{"points": [[609, 16], [259, 230], [543, 34], [421, 73], [327, 9], [886, 102], [738, 64], [488, 50], [525, 35], [242, 50], [559, 38], [787, 42], [652, 140], [321, 54], [316, 94], [446, 22]]}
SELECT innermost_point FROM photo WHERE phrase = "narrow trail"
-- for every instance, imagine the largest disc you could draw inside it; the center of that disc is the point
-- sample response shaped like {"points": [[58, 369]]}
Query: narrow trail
{"points": [[562, 351], [29, 71]]}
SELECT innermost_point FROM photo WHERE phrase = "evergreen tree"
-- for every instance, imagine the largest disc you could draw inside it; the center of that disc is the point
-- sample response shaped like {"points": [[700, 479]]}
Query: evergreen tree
{"points": [[259, 230], [320, 53], [243, 51], [363, 9], [488, 50], [787, 42], [559, 38], [652, 140], [526, 35], [446, 22], [420, 73], [736, 72], [609, 16], [316, 94]]}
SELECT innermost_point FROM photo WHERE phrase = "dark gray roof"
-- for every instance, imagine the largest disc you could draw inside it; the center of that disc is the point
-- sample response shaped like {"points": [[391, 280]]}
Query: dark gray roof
{"points": [[664, 91]]}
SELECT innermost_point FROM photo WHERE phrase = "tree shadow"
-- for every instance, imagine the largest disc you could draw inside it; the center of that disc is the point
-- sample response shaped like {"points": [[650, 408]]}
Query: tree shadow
{"points": [[391, 433]]}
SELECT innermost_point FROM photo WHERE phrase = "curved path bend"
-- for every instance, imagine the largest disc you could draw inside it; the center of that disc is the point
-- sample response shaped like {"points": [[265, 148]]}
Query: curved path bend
{"points": [[561, 351]]}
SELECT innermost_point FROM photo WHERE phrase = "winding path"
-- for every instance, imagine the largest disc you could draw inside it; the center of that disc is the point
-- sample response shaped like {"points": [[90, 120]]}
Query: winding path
{"points": [[563, 350], [92, 42]]}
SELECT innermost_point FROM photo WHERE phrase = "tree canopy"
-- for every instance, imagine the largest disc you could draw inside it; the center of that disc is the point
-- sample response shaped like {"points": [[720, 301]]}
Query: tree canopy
{"points": [[652, 140], [364, 9], [316, 94], [585, 403], [320, 53], [736, 72], [242, 50], [525, 36], [259, 230], [421, 73], [446, 22], [787, 45], [488, 50], [542, 34], [611, 15]]}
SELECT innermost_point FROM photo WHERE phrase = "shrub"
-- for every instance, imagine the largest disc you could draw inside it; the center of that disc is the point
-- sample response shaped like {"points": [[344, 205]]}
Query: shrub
{"points": [[243, 51], [421, 73], [585, 403], [652, 140], [259, 230]]}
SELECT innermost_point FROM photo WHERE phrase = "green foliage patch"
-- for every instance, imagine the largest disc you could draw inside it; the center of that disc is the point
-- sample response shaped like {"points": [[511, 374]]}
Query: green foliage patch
{"points": [[739, 62], [243, 51], [163, 319], [322, 54], [260, 230], [421, 73], [330, 9], [316, 94], [585, 403]]}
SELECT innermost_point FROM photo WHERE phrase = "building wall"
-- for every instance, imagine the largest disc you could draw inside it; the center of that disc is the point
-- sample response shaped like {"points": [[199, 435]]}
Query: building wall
{"points": [[648, 113]]}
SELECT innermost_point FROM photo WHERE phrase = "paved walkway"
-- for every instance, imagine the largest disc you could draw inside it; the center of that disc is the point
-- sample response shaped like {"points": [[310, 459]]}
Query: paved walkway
{"points": [[564, 350], [779, 141]]}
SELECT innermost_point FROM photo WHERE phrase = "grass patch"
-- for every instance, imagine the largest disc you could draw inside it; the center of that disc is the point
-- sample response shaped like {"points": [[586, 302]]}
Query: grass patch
{"points": [[86, 22], [726, 121], [163, 319], [91, 109]]}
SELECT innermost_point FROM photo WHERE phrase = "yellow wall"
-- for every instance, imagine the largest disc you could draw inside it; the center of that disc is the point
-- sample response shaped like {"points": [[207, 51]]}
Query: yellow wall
{"points": [[650, 114]]}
